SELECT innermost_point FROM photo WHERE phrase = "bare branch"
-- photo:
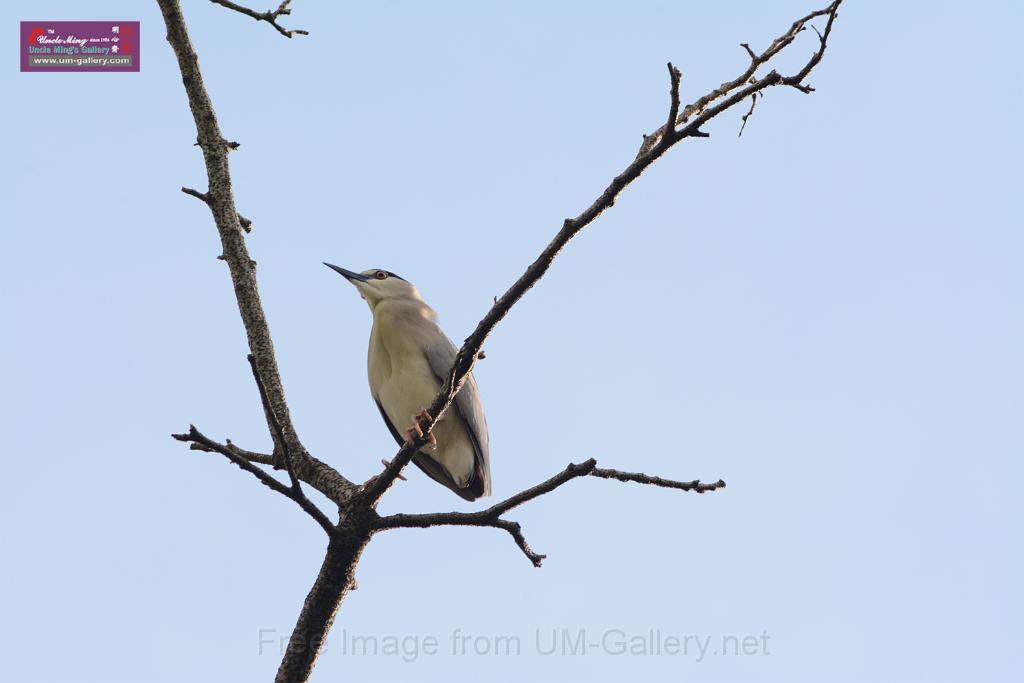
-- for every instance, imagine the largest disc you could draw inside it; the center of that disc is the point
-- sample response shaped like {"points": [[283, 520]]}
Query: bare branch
{"points": [[516, 531], [242, 220], [270, 16], [220, 199], [748, 81], [491, 517], [753, 103], [653, 147], [251, 456], [796, 79], [640, 478], [673, 109], [204, 443]]}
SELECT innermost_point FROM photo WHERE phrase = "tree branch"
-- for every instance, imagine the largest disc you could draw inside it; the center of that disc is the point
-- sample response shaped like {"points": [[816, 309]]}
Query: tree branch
{"points": [[270, 16], [750, 112], [207, 444], [220, 199], [640, 478], [673, 109], [753, 85], [251, 456], [491, 517], [296, 487], [275, 424], [317, 474], [653, 147]]}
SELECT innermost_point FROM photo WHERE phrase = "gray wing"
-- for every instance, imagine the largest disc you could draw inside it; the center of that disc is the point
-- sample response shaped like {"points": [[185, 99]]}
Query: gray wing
{"points": [[441, 352]]}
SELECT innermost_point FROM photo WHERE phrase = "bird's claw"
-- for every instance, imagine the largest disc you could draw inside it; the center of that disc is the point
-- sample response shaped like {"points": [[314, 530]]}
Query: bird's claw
{"points": [[417, 430]]}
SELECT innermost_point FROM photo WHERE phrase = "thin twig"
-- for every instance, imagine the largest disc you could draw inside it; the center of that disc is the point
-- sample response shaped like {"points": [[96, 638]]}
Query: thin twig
{"points": [[196, 437], [700, 106], [753, 103], [640, 478], [673, 109], [251, 456], [270, 16]]}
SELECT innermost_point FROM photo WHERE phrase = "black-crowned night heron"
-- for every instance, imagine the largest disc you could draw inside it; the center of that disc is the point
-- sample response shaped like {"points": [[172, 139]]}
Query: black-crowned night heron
{"points": [[408, 361]]}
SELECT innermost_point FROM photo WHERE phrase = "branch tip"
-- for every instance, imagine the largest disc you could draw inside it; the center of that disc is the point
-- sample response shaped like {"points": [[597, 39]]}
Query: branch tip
{"points": [[270, 16], [674, 76]]}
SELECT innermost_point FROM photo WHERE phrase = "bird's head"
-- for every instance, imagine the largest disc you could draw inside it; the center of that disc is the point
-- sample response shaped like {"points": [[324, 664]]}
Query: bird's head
{"points": [[376, 285]]}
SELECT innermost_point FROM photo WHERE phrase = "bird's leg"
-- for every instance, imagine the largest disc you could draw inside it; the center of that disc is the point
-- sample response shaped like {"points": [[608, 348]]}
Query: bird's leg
{"points": [[387, 463], [369, 482], [417, 430]]}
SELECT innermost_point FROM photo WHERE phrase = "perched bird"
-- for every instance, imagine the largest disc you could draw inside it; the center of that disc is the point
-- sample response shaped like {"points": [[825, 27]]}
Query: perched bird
{"points": [[408, 361]]}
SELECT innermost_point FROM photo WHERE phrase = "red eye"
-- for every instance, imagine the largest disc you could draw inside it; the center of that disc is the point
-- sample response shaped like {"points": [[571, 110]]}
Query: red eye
{"points": [[380, 275]]}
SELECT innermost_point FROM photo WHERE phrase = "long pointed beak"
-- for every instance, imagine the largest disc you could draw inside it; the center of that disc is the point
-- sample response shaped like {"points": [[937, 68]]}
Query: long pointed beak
{"points": [[358, 277]]}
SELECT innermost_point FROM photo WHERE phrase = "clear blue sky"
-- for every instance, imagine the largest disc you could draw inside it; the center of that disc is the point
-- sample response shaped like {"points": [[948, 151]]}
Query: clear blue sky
{"points": [[827, 313]]}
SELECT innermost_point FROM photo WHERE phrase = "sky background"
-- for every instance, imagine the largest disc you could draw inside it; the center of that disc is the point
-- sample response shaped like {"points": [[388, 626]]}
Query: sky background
{"points": [[826, 313]]}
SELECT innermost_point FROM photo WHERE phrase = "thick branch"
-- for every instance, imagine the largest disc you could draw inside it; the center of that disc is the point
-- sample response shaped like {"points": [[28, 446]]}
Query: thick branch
{"points": [[335, 580], [654, 146], [270, 16], [491, 517], [220, 199]]}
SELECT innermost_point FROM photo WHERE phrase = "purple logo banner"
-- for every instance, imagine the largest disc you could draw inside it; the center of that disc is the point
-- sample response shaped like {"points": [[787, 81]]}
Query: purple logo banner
{"points": [[79, 46]]}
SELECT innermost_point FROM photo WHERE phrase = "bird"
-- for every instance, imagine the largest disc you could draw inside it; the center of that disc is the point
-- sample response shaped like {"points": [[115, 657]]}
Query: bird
{"points": [[408, 360]]}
